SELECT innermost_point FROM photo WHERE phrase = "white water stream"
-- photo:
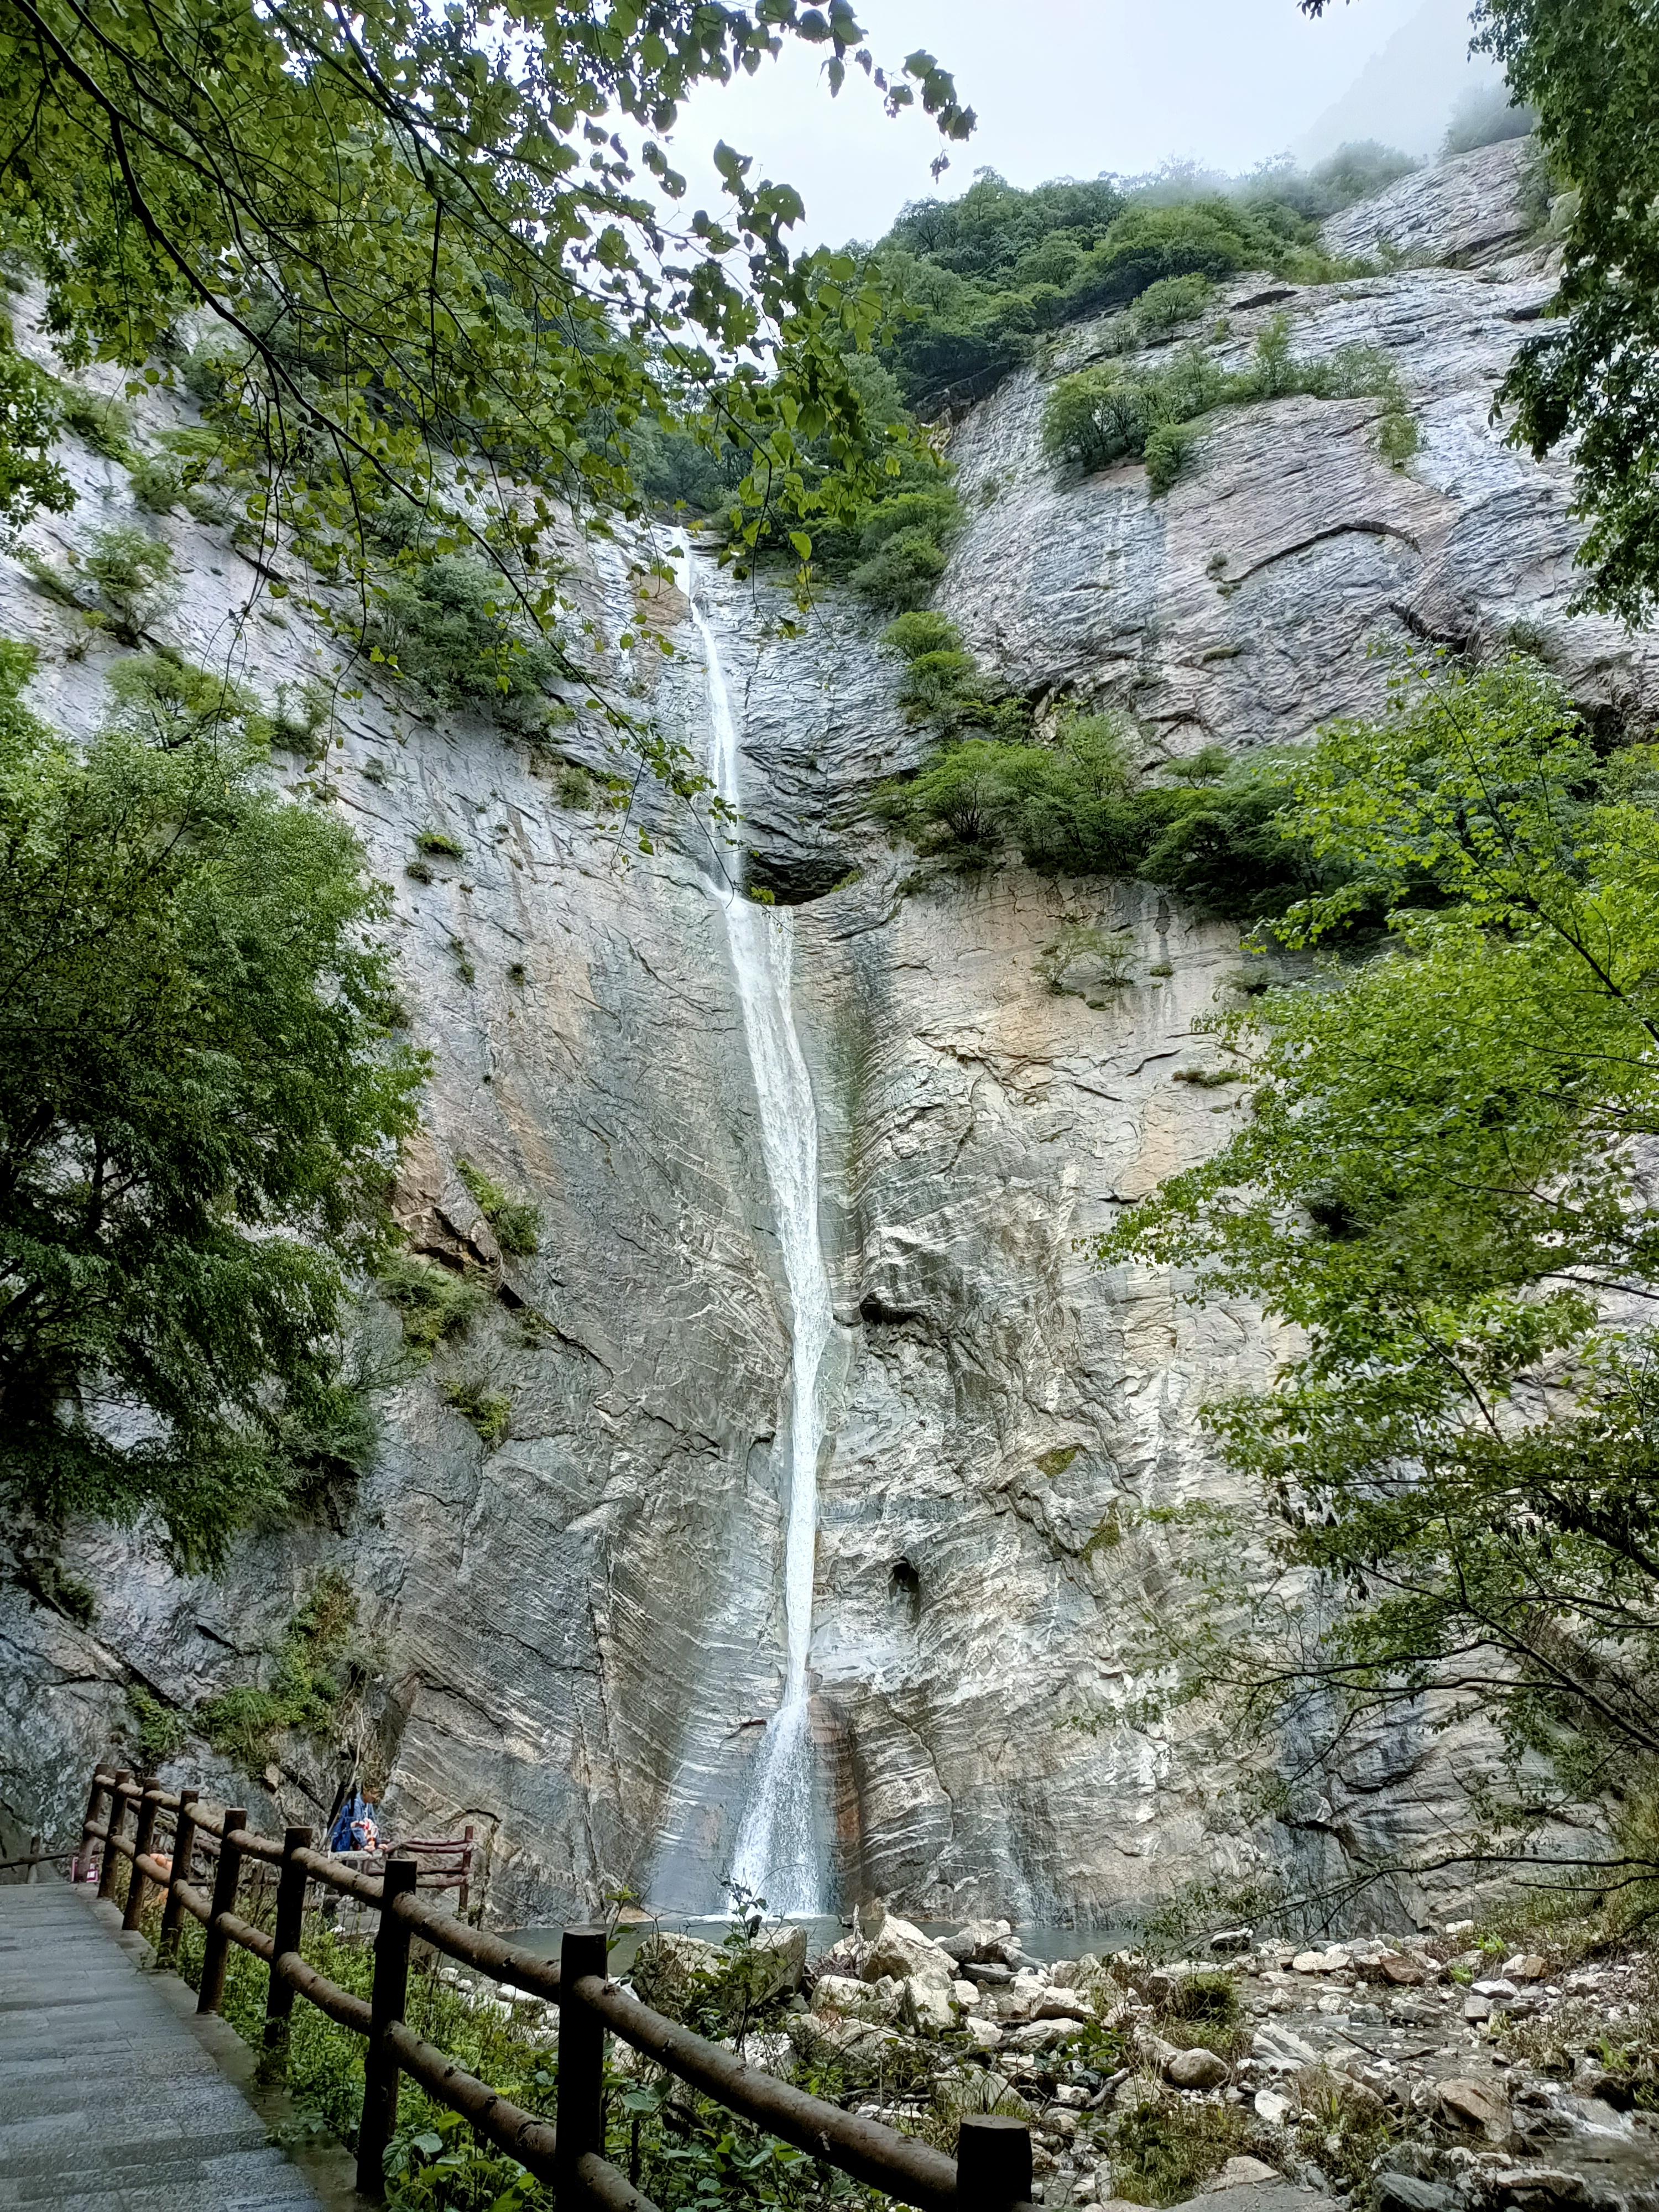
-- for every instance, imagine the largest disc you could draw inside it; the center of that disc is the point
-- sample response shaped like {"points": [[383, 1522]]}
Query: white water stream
{"points": [[777, 1852]]}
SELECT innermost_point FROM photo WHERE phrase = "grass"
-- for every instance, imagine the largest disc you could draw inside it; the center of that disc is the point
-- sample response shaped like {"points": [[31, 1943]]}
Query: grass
{"points": [[517, 1223], [489, 1411], [440, 844], [1163, 2150], [434, 1305]]}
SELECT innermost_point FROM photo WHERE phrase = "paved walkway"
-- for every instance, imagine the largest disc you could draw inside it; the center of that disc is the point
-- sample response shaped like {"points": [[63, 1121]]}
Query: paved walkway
{"points": [[107, 2100]]}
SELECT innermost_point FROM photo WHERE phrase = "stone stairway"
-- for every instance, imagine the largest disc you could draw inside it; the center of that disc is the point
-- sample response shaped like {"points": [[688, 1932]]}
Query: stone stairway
{"points": [[107, 2099]]}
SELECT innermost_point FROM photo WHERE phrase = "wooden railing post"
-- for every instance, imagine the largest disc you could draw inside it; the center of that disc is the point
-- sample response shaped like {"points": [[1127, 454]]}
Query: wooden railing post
{"points": [[993, 2163], [290, 1923], [143, 1835], [580, 2121], [118, 1814], [184, 1850], [101, 1780], [386, 2003], [465, 1896], [226, 1882]]}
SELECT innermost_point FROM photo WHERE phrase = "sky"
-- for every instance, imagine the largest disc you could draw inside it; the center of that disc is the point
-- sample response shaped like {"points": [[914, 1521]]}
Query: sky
{"points": [[1071, 88]]}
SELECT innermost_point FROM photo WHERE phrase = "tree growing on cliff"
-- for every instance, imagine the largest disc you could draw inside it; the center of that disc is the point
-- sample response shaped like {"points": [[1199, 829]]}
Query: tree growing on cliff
{"points": [[440, 257], [200, 1094], [1444, 1187]]}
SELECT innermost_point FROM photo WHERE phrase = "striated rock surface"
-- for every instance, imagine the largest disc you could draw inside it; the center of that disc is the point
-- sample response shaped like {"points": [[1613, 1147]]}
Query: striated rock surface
{"points": [[579, 1632]]}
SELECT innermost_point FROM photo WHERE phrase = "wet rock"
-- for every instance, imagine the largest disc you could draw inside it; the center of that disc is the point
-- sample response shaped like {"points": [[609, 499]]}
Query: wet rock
{"points": [[1196, 2070], [1481, 2105]]}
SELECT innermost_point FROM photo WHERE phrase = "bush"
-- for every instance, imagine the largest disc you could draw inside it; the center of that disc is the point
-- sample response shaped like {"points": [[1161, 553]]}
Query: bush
{"points": [[164, 701], [134, 574], [105, 425], [434, 1305], [317, 1671], [489, 1411], [158, 483], [448, 629], [440, 844], [912, 635], [903, 573], [1075, 807], [1163, 2150], [1112, 411], [516, 1222]]}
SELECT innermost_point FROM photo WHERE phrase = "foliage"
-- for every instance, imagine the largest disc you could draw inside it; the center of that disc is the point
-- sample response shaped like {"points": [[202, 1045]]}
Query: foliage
{"points": [[31, 414], [984, 277], [944, 685], [443, 263], [1074, 807], [1112, 411], [517, 1222], [449, 627], [440, 844], [317, 1671], [158, 1731], [133, 574], [1441, 1186], [489, 1411], [199, 1097], [1585, 379], [434, 1304], [1165, 2150]]}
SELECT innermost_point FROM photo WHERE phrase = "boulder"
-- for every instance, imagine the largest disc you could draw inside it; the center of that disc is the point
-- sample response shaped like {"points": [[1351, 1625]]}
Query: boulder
{"points": [[1196, 2070], [1400, 1968], [1537, 2188], [1242, 2172], [1476, 2009], [967, 1994], [974, 1941], [983, 2034], [1042, 2034], [1525, 1966], [988, 1973], [783, 1952], [1478, 2105], [1404, 2192], [1232, 1939], [905, 1954], [927, 2004], [1334, 1961], [1271, 2107], [1063, 2004], [840, 1994], [1275, 2196], [666, 1965]]}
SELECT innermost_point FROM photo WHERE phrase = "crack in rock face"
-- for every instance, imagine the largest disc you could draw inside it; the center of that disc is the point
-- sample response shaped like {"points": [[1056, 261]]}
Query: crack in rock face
{"points": [[579, 1634]]}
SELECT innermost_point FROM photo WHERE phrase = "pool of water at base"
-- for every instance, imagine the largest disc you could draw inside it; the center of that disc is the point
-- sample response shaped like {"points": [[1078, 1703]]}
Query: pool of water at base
{"points": [[1046, 1944]]}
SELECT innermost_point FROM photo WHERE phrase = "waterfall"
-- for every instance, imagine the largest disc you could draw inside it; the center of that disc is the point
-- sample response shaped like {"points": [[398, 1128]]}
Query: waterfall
{"points": [[777, 1854]]}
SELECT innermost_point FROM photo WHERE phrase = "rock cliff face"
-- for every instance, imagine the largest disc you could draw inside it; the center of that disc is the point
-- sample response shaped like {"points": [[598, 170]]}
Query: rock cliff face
{"points": [[579, 1629]]}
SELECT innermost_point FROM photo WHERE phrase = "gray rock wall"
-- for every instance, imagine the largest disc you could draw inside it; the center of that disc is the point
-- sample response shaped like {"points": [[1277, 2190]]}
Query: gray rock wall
{"points": [[579, 1631]]}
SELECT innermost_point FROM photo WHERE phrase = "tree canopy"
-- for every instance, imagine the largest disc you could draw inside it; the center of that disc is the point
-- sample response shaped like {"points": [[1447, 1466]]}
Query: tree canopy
{"points": [[439, 257], [202, 1091], [1443, 1184]]}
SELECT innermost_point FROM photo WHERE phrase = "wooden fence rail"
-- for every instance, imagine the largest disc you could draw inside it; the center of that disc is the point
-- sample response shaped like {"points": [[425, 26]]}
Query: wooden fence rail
{"points": [[991, 2173]]}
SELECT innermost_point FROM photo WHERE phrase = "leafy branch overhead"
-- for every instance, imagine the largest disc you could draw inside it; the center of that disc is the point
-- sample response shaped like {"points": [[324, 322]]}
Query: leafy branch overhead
{"points": [[443, 260]]}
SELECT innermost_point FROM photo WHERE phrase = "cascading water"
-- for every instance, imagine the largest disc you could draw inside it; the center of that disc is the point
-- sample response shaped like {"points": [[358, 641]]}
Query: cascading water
{"points": [[777, 1852]]}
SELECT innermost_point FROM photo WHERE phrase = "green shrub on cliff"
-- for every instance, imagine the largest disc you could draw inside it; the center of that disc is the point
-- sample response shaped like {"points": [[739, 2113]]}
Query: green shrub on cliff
{"points": [[1077, 807], [1113, 410]]}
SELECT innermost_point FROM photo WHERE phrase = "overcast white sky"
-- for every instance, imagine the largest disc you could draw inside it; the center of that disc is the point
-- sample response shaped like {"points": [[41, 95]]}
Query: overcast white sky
{"points": [[1070, 88]]}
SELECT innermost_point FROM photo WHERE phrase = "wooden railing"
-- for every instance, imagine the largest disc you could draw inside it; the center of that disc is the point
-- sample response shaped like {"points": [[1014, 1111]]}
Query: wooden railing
{"points": [[991, 2173]]}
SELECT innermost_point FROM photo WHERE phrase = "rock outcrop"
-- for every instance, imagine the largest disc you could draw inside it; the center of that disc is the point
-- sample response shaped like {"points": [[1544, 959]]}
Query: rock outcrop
{"points": [[579, 1629]]}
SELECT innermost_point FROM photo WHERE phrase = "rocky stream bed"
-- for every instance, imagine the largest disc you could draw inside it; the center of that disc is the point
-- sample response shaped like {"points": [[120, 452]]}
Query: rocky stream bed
{"points": [[1447, 2072]]}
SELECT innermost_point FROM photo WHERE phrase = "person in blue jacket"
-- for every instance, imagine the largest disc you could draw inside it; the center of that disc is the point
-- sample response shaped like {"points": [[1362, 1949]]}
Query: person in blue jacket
{"points": [[355, 1828]]}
